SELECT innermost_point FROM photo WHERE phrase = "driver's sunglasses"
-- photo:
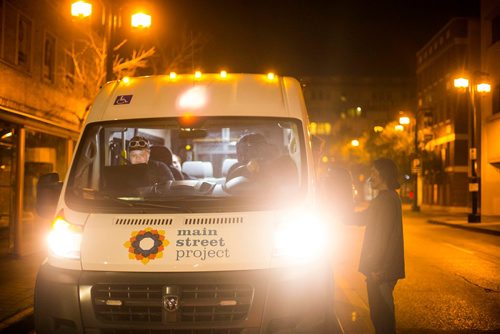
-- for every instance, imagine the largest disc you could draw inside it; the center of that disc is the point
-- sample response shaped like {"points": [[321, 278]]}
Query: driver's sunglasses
{"points": [[138, 144]]}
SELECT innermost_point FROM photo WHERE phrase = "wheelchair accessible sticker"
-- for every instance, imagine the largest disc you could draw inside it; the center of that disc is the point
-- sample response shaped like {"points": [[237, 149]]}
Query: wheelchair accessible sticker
{"points": [[123, 99]]}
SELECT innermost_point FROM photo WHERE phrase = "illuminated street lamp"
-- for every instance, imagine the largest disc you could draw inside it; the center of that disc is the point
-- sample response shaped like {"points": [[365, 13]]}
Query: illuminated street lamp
{"points": [[399, 127], [354, 143], [406, 120], [82, 9], [141, 20], [481, 87]]}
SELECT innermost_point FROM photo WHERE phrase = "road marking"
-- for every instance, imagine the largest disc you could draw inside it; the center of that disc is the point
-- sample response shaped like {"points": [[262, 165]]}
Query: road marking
{"points": [[459, 248]]}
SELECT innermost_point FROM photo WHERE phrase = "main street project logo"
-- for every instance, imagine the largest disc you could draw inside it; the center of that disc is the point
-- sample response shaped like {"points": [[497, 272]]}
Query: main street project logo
{"points": [[146, 245]]}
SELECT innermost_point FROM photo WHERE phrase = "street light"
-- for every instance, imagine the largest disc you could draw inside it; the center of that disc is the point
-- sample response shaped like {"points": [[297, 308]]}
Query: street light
{"points": [[405, 120], [481, 87], [81, 9], [139, 20]]}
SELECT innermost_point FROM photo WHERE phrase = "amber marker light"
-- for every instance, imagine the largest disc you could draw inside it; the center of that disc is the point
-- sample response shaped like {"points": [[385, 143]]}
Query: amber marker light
{"points": [[197, 74], [270, 76], [126, 80], [173, 75], [223, 74]]}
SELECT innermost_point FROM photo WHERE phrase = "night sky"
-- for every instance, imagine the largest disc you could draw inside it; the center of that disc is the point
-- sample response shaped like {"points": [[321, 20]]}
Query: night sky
{"points": [[336, 37]]}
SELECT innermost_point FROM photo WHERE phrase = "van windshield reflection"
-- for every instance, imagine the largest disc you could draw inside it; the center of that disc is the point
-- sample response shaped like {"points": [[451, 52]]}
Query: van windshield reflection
{"points": [[160, 163]]}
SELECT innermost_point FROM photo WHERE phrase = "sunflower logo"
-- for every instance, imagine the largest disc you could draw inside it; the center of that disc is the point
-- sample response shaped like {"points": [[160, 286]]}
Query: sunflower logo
{"points": [[145, 245]]}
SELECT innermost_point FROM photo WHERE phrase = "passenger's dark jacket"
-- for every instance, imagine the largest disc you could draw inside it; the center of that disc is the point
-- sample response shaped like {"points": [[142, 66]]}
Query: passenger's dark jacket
{"points": [[158, 173], [383, 246]]}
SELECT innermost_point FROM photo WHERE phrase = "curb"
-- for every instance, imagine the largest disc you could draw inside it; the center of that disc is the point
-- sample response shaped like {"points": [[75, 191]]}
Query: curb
{"points": [[469, 227], [21, 322]]}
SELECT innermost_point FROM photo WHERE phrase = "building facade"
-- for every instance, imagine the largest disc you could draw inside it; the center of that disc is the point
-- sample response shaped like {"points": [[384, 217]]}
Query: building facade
{"points": [[490, 108], [343, 108], [41, 111], [444, 113]]}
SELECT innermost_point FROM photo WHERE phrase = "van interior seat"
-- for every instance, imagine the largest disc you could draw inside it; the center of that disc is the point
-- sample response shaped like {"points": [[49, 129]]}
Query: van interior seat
{"points": [[163, 154], [226, 164], [198, 169]]}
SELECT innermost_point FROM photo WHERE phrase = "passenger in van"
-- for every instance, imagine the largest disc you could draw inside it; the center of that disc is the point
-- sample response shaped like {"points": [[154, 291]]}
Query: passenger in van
{"points": [[139, 153], [176, 162], [262, 162], [250, 149]]}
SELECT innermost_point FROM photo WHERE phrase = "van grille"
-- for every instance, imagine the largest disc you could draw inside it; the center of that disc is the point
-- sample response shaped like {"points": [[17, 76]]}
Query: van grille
{"points": [[213, 221], [197, 303]]}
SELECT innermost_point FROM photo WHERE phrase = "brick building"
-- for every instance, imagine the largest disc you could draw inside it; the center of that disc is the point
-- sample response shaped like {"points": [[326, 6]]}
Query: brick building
{"points": [[490, 108], [41, 110], [444, 112]]}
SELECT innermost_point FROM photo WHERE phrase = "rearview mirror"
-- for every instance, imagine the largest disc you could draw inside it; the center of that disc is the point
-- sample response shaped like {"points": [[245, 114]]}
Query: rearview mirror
{"points": [[191, 133]]}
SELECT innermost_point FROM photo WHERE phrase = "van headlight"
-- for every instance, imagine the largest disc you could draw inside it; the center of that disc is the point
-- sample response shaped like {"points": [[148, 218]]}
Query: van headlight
{"points": [[64, 239], [301, 236]]}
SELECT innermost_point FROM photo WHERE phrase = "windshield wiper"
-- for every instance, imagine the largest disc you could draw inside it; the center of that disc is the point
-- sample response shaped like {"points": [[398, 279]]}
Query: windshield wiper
{"points": [[132, 202]]}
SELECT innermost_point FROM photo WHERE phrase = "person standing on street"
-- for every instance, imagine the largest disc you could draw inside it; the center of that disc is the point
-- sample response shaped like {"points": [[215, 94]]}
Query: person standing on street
{"points": [[382, 254]]}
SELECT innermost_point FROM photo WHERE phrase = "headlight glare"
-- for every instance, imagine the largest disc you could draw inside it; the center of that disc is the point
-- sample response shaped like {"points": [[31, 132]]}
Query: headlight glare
{"points": [[302, 237], [64, 239]]}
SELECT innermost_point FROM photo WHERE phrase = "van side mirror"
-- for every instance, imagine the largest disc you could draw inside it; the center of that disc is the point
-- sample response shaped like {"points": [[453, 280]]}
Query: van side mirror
{"points": [[48, 190]]}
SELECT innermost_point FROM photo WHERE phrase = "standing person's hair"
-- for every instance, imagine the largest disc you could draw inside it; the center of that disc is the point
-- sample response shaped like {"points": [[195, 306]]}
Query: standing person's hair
{"points": [[388, 171]]}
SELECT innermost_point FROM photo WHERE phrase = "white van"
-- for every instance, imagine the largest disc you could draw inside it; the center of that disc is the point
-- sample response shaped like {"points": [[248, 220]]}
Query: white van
{"points": [[232, 243]]}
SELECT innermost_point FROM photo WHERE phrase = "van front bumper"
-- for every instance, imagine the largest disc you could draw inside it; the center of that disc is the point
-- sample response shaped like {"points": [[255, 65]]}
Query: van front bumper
{"points": [[291, 300]]}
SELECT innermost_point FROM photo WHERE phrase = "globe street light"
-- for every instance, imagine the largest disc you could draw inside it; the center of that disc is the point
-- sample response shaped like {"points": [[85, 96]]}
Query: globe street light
{"points": [[140, 20], [481, 87]]}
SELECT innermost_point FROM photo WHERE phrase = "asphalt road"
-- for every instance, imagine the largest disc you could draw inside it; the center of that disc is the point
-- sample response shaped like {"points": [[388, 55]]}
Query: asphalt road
{"points": [[452, 284]]}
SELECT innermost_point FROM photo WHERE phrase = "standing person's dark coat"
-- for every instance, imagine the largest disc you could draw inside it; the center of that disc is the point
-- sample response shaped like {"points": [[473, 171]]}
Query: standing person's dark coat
{"points": [[382, 254]]}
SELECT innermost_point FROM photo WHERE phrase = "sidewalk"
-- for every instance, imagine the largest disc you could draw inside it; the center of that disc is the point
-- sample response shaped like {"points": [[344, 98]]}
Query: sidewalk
{"points": [[489, 224], [17, 283]]}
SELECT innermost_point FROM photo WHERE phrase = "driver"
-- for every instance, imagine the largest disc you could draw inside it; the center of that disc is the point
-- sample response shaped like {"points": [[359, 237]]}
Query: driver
{"points": [[250, 149], [139, 152]]}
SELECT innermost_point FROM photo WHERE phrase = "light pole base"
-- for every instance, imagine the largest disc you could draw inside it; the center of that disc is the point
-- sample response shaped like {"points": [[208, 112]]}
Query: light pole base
{"points": [[474, 218]]}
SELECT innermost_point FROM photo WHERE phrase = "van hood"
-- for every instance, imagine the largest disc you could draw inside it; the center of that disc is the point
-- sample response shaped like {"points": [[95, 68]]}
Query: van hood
{"points": [[179, 242]]}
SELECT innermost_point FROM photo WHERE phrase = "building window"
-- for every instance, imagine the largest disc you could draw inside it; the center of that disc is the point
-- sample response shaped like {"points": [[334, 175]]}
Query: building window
{"points": [[49, 53], [496, 100], [495, 29], [69, 71], [17, 36], [23, 42]]}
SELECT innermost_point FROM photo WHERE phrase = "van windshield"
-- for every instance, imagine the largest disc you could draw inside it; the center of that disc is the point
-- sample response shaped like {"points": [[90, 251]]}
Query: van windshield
{"points": [[189, 165]]}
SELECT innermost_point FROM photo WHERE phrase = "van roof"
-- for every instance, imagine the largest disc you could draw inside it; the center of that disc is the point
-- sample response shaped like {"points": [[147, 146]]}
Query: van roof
{"points": [[210, 95]]}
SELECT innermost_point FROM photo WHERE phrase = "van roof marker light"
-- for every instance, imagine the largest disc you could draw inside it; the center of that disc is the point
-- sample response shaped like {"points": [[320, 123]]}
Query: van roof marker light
{"points": [[223, 74], [126, 80], [197, 74], [173, 75], [271, 76]]}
